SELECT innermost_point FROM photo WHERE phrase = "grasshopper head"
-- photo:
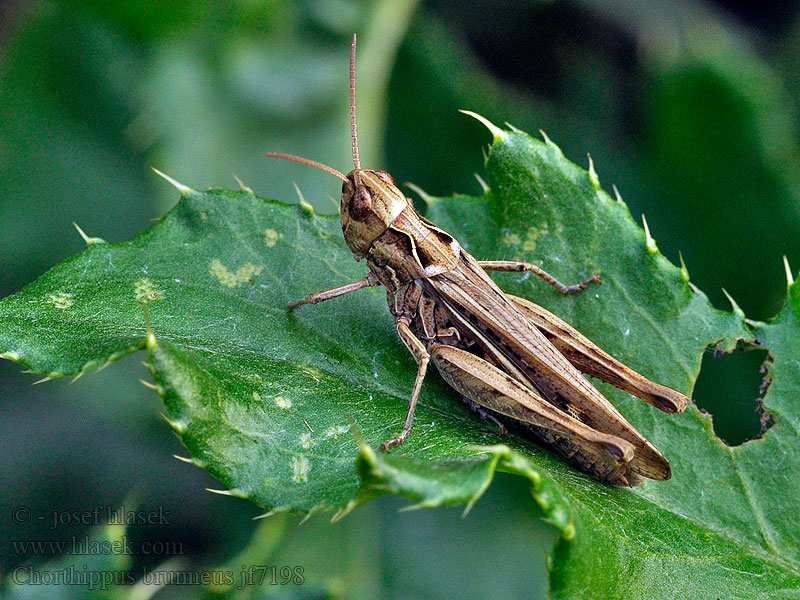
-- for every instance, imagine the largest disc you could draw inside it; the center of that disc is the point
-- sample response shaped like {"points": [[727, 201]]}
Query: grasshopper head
{"points": [[370, 202]]}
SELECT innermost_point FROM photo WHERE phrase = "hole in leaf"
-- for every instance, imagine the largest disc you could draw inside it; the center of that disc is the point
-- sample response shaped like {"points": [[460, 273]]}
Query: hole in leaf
{"points": [[731, 387]]}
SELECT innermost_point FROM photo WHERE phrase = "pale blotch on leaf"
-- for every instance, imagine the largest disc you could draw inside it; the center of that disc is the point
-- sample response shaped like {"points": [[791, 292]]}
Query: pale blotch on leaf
{"points": [[529, 245], [283, 402], [305, 441], [61, 300], [333, 431], [243, 274], [256, 396], [145, 291], [253, 378], [300, 468], [512, 239], [271, 237]]}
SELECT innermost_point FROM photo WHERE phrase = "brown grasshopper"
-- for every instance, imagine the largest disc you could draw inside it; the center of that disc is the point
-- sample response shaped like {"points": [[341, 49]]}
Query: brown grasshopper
{"points": [[511, 360]]}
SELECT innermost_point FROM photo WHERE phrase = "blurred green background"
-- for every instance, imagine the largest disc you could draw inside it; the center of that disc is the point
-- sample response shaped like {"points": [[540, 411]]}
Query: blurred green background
{"points": [[690, 108]]}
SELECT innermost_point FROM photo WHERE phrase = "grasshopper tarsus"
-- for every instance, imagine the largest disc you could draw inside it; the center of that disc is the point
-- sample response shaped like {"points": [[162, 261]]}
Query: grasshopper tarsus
{"points": [[571, 289], [487, 416], [295, 303], [394, 441], [575, 287]]}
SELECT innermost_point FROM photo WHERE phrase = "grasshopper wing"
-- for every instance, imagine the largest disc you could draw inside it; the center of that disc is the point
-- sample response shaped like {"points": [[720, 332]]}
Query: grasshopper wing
{"points": [[592, 360]]}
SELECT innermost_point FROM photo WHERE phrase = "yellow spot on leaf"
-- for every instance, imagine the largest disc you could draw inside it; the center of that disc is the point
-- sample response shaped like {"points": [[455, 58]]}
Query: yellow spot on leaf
{"points": [[283, 403], [256, 396], [145, 291], [529, 245], [271, 237], [244, 274], [60, 300], [305, 441], [300, 468], [511, 239]]}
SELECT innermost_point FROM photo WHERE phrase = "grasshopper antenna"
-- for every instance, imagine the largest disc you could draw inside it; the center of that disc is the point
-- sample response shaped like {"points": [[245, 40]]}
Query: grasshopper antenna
{"points": [[353, 132], [307, 161]]}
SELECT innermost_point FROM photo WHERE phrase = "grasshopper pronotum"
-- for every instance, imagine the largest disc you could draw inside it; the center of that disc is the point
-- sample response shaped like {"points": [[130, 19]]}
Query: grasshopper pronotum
{"points": [[511, 360]]}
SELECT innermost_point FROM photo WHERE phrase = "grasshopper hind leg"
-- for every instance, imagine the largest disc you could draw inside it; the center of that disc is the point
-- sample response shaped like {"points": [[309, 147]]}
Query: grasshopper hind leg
{"points": [[602, 455], [571, 452]]}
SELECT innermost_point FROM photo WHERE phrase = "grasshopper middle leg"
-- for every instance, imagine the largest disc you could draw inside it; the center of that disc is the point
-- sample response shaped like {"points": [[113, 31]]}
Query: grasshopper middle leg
{"points": [[519, 266]]}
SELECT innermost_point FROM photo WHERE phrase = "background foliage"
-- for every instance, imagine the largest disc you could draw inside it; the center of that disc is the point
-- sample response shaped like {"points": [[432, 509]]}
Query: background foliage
{"points": [[689, 108]]}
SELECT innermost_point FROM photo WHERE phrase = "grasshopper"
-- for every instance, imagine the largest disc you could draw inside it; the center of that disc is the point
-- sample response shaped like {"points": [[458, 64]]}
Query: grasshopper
{"points": [[511, 360]]}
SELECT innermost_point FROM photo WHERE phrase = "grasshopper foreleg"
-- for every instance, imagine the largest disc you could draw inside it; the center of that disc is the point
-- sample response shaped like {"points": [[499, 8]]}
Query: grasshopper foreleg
{"points": [[341, 290], [518, 266]]}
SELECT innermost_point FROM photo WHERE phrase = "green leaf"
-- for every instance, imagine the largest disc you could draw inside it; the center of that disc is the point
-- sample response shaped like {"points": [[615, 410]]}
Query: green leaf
{"points": [[265, 399]]}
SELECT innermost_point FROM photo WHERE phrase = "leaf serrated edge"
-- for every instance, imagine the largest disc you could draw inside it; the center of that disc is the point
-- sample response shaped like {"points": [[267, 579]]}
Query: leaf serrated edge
{"points": [[99, 364], [555, 508], [150, 343]]}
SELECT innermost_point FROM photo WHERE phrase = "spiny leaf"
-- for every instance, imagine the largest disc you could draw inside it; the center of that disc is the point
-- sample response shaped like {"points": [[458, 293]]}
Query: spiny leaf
{"points": [[265, 399]]}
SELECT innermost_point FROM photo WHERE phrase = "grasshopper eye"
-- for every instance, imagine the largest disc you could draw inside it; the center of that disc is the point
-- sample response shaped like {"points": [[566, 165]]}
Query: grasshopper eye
{"points": [[361, 205]]}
